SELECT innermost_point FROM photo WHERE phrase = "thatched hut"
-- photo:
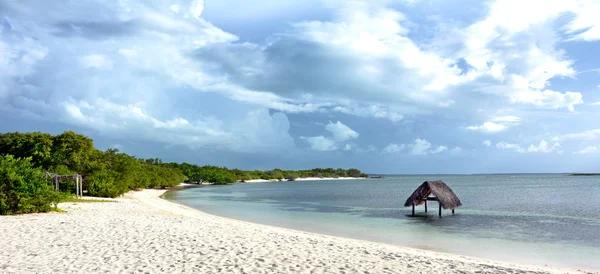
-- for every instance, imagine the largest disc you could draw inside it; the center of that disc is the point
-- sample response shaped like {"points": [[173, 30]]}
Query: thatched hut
{"points": [[441, 193]]}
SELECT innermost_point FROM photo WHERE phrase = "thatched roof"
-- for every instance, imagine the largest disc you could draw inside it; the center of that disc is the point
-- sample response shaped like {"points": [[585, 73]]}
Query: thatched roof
{"points": [[439, 189]]}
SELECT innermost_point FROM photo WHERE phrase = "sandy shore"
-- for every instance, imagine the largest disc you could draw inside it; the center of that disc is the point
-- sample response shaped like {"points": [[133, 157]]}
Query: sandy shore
{"points": [[142, 233], [306, 179]]}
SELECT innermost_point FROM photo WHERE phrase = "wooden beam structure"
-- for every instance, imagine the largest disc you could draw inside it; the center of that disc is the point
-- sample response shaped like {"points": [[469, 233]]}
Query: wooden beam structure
{"points": [[56, 179], [426, 206]]}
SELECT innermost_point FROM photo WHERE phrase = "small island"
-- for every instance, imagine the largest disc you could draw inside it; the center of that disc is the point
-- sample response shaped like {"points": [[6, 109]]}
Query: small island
{"points": [[584, 174]]}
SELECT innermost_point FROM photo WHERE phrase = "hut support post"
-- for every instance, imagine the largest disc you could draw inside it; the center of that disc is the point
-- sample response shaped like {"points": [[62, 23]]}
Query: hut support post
{"points": [[453, 211], [440, 212], [76, 187], [425, 206], [413, 208]]}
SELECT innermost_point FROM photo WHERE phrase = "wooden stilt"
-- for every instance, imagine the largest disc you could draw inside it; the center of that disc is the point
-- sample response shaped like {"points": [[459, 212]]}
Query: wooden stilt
{"points": [[440, 213], [453, 211], [425, 206], [413, 208], [76, 187]]}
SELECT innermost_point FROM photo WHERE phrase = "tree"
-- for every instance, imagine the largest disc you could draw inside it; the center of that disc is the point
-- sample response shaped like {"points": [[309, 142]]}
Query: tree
{"points": [[23, 188], [36, 145], [72, 150]]}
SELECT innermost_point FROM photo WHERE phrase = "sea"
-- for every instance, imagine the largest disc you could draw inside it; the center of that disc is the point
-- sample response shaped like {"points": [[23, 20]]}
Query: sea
{"points": [[539, 219]]}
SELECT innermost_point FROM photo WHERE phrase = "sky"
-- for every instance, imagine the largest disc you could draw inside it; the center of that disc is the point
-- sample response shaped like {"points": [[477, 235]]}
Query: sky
{"points": [[397, 87]]}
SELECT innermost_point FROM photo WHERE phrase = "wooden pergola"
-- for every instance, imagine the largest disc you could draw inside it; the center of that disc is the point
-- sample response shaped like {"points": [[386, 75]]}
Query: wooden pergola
{"points": [[57, 179]]}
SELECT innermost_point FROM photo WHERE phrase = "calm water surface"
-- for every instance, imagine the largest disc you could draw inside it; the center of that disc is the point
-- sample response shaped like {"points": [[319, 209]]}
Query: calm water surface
{"points": [[547, 219]]}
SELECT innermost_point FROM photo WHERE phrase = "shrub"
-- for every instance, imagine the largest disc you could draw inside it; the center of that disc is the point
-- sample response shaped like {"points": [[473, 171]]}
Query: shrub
{"points": [[103, 184], [23, 188]]}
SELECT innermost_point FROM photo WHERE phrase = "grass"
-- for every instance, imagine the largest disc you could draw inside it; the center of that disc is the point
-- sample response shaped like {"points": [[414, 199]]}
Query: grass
{"points": [[72, 199]]}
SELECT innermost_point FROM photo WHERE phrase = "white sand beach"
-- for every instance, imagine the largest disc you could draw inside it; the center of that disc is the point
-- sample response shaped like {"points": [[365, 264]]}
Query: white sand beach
{"points": [[307, 179], [142, 233]]}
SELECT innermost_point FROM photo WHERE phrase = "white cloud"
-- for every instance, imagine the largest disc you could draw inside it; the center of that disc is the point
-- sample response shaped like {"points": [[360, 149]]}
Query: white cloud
{"points": [[446, 103], [362, 63], [542, 147], [321, 143], [254, 131], [419, 147], [508, 119], [585, 25], [505, 145], [487, 143], [592, 134], [393, 148], [440, 149], [589, 150], [341, 132], [595, 103], [488, 127], [497, 124], [373, 110], [196, 8], [545, 147], [549, 99], [524, 46], [95, 61]]}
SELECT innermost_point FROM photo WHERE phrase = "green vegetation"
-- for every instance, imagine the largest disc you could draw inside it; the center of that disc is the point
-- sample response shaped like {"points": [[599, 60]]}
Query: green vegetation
{"points": [[67, 198], [26, 156], [23, 188], [222, 175]]}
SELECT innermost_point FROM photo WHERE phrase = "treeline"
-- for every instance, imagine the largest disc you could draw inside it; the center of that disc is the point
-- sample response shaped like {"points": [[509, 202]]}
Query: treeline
{"points": [[24, 156], [222, 175]]}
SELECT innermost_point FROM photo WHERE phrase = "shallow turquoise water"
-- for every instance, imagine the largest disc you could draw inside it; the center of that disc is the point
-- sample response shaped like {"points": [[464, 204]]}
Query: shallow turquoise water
{"points": [[545, 219]]}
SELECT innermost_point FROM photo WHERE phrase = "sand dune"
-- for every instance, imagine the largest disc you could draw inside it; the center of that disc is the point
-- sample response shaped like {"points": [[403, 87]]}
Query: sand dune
{"points": [[143, 233]]}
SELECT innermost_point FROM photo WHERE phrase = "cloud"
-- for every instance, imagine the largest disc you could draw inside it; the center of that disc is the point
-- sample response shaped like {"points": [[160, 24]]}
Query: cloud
{"points": [[498, 124], [488, 127], [394, 148], [508, 119], [520, 54], [505, 145], [545, 147], [595, 103], [592, 134], [95, 61], [341, 132], [589, 150], [542, 147], [254, 131], [161, 71], [487, 143], [321, 143], [585, 24], [419, 147], [196, 8]]}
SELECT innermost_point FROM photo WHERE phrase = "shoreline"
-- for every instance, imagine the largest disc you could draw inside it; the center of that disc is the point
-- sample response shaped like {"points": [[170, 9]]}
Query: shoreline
{"points": [[418, 251], [143, 232], [303, 179]]}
